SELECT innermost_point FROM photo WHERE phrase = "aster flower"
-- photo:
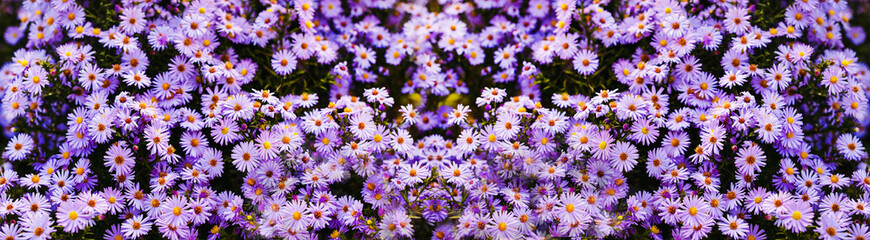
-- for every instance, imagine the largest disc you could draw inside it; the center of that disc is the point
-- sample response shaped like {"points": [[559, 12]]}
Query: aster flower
{"points": [[73, 217], [100, 127], [694, 210], [644, 132], [298, 216], [488, 139], [136, 226], [571, 208], [395, 224], [779, 76], [552, 122], [737, 21], [245, 157], [193, 143], [504, 225], [835, 181], [832, 226], [11, 230], [504, 57], [268, 145], [697, 231], [769, 127], [377, 95], [602, 145], [456, 173], [625, 156], [467, 141], [585, 62], [157, 138], [833, 79], [316, 122], [413, 173], [734, 227], [175, 211], [459, 115], [847, 144], [858, 230], [402, 141], [238, 107], [380, 138], [93, 203], [362, 126], [36, 79], [35, 204], [132, 20], [750, 159], [225, 132], [284, 62], [507, 126], [796, 217], [564, 8], [19, 147], [832, 204], [38, 226], [409, 114], [732, 79], [137, 78]]}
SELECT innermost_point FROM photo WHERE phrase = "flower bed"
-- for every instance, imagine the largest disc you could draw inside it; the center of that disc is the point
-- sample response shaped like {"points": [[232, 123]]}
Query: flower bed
{"points": [[447, 119]]}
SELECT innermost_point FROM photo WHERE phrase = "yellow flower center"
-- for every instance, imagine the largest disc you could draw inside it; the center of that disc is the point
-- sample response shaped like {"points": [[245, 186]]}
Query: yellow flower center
{"points": [[297, 216]]}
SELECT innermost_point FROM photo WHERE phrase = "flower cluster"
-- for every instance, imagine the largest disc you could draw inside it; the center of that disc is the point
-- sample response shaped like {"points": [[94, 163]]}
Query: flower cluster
{"points": [[195, 119]]}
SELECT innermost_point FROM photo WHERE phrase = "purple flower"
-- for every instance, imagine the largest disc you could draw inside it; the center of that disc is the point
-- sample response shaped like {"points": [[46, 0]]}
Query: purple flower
{"points": [[238, 107], [504, 225], [694, 211], [245, 157], [832, 226], [624, 156], [284, 62], [19, 147], [798, 215], [73, 216], [571, 209], [136, 226], [847, 144], [38, 226], [175, 211]]}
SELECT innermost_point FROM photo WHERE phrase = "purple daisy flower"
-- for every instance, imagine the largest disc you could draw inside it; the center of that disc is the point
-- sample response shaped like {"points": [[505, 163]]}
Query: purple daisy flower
{"points": [[73, 216], [245, 157], [298, 216], [694, 210], [19, 147], [136, 226], [504, 225], [798, 215], [284, 62], [847, 144], [585, 62]]}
